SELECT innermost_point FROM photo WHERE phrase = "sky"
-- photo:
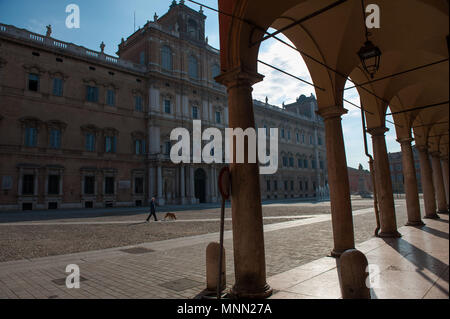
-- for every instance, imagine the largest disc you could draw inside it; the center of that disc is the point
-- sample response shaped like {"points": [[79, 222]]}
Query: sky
{"points": [[110, 20]]}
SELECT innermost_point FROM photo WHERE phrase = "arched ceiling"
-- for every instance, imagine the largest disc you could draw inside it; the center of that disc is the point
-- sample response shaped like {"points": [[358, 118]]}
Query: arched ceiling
{"points": [[412, 33]]}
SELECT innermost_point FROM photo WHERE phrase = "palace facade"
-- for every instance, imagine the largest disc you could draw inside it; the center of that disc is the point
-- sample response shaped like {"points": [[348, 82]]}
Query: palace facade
{"points": [[83, 129]]}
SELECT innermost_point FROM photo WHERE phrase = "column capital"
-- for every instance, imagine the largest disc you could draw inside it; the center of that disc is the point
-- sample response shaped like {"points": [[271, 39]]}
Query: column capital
{"points": [[331, 112], [377, 131], [405, 140], [435, 154], [239, 77], [422, 148]]}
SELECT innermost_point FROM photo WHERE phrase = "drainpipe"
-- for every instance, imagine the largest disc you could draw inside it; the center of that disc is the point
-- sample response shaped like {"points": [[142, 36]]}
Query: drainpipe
{"points": [[372, 172]]}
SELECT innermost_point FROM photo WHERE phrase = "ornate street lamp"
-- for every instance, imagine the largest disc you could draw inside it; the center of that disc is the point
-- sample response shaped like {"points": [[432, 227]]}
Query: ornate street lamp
{"points": [[370, 56]]}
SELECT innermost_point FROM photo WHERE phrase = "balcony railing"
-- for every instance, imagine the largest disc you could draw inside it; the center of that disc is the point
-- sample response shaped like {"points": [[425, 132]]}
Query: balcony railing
{"points": [[23, 34]]}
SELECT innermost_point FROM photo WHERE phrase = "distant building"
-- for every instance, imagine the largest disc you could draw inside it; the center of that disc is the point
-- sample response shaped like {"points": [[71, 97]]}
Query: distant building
{"points": [[302, 168], [396, 169], [360, 180]]}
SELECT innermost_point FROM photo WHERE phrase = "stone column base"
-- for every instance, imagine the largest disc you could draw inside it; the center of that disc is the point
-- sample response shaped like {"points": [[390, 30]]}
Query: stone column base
{"points": [[434, 216], [184, 201], [259, 293], [337, 253], [391, 234], [416, 223]]}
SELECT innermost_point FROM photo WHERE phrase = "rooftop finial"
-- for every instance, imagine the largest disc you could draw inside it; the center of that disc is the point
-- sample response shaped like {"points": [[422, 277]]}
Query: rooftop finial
{"points": [[155, 17], [174, 3], [201, 9], [267, 100], [102, 47]]}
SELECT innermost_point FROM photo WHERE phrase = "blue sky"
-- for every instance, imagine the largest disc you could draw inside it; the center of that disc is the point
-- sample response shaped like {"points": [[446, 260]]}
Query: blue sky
{"points": [[110, 20]]}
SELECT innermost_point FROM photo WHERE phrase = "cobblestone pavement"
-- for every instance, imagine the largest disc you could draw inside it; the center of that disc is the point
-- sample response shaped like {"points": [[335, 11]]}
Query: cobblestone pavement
{"points": [[173, 268], [45, 233]]}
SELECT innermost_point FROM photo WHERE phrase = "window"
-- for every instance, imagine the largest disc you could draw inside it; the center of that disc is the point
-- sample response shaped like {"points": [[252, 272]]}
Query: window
{"points": [[90, 142], [109, 185], [142, 58], [57, 87], [310, 139], [166, 58], [291, 161], [33, 82], [55, 138], [319, 140], [285, 161], [289, 135], [192, 29], [53, 184], [28, 185], [299, 163], [275, 185], [303, 138], [138, 103], [285, 185], [268, 185], [301, 185], [218, 117], [110, 97], [139, 146], [298, 137], [306, 185], [215, 70], [167, 146], [110, 144], [167, 106], [92, 93], [313, 163], [30, 136], [195, 112], [321, 164], [305, 163], [292, 185], [193, 67], [282, 132], [139, 185], [89, 185]]}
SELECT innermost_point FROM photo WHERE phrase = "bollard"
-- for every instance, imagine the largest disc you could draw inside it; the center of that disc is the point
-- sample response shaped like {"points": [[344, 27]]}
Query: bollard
{"points": [[352, 271], [212, 267]]}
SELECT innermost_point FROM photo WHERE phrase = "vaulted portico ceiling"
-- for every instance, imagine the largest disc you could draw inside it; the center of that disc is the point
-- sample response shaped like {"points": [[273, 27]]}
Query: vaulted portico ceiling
{"points": [[329, 43]]}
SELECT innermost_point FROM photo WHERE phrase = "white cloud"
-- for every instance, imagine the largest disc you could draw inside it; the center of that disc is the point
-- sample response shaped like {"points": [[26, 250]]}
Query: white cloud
{"points": [[277, 86]]}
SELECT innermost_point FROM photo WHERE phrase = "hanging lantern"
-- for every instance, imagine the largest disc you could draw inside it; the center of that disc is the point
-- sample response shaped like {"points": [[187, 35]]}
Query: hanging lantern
{"points": [[370, 56]]}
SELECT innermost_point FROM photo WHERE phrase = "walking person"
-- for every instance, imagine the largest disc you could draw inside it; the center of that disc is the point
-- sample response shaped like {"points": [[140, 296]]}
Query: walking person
{"points": [[152, 210]]}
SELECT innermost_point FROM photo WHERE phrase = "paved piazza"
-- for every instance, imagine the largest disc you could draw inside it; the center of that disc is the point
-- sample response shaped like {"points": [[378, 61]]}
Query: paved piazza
{"points": [[170, 259]]}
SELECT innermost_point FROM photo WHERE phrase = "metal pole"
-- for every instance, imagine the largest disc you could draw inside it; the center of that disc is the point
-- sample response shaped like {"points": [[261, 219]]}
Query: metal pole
{"points": [[222, 220]]}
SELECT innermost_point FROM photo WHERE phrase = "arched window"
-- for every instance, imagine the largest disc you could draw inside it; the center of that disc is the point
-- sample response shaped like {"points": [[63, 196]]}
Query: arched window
{"points": [[193, 67], [166, 58], [192, 29]]}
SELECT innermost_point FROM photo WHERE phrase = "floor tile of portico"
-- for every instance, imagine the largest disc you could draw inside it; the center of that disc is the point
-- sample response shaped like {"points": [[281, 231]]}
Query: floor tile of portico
{"points": [[414, 266]]}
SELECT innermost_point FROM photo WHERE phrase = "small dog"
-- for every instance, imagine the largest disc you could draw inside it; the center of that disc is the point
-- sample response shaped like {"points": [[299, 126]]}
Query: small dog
{"points": [[170, 216]]}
